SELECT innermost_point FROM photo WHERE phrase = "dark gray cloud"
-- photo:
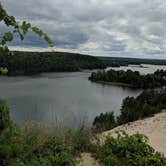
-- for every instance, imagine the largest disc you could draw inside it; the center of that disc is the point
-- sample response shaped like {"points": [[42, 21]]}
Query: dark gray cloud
{"points": [[100, 27]]}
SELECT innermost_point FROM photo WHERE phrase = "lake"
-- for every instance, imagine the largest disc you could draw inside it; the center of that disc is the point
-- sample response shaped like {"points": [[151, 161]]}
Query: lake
{"points": [[65, 98]]}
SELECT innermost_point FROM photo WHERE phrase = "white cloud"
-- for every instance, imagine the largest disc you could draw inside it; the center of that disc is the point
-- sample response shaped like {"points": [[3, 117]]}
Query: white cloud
{"points": [[97, 26]]}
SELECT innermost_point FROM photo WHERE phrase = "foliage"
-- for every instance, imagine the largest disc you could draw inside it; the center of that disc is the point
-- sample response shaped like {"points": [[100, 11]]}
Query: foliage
{"points": [[121, 61], [28, 63], [131, 78], [3, 70], [38, 144], [19, 28], [146, 104], [15, 28], [128, 150], [105, 121], [5, 120]]}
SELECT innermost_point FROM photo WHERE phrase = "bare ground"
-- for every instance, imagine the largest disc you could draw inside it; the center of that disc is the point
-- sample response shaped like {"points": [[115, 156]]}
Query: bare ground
{"points": [[153, 127]]}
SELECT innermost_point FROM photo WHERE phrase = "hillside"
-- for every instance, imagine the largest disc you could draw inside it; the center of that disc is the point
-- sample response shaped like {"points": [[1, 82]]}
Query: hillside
{"points": [[153, 127], [29, 63], [121, 61]]}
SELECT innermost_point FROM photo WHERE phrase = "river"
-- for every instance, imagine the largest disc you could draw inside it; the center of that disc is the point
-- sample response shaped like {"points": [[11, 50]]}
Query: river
{"points": [[64, 98]]}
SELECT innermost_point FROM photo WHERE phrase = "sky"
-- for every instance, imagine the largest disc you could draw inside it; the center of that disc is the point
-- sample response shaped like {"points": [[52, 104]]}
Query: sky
{"points": [[126, 28]]}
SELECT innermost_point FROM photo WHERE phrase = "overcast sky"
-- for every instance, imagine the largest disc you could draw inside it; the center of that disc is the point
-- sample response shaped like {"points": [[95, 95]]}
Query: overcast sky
{"points": [[134, 28]]}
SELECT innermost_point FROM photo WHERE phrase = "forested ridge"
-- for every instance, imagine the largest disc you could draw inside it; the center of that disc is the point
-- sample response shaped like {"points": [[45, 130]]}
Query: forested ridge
{"points": [[130, 78], [121, 61], [29, 63]]}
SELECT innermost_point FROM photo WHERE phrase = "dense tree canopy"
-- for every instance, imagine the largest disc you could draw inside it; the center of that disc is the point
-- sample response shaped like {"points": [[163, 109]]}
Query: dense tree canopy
{"points": [[22, 63], [147, 104], [131, 78], [29, 63], [121, 61]]}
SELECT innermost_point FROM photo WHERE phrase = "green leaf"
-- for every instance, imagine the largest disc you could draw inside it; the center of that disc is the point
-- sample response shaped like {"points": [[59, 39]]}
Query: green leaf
{"points": [[49, 41], [17, 28], [8, 36], [25, 27], [37, 31]]}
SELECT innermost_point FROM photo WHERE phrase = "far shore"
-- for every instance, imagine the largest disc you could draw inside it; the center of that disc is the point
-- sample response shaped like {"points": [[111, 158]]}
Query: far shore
{"points": [[115, 84]]}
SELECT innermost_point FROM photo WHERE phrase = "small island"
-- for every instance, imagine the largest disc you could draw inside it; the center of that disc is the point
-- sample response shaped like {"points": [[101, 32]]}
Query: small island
{"points": [[130, 78]]}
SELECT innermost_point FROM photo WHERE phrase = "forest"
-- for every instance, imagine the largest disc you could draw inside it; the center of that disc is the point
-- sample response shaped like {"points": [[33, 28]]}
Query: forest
{"points": [[121, 61], [148, 103], [29, 63], [130, 78]]}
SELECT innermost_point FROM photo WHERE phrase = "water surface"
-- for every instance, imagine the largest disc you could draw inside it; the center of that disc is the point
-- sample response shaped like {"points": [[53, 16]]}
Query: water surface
{"points": [[67, 98]]}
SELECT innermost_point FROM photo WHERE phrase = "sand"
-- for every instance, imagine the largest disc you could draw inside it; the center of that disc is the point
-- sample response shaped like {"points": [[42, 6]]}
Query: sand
{"points": [[154, 128], [87, 160]]}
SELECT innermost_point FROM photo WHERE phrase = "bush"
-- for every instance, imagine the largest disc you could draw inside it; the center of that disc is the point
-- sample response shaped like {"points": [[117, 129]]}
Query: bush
{"points": [[128, 150], [146, 104], [37, 144], [103, 122], [3, 70], [34, 148]]}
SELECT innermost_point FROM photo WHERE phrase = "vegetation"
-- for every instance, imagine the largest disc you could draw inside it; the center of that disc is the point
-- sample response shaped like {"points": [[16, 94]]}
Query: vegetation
{"points": [[17, 28], [146, 104], [131, 78], [28, 63], [103, 122], [128, 150], [38, 145], [120, 61], [22, 63], [3, 71]]}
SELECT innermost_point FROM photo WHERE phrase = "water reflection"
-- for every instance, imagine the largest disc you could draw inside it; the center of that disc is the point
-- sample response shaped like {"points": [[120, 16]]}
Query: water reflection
{"points": [[67, 98]]}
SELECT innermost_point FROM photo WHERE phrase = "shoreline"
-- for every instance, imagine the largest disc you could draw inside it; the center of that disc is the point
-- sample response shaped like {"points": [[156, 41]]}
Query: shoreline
{"points": [[153, 127], [114, 84]]}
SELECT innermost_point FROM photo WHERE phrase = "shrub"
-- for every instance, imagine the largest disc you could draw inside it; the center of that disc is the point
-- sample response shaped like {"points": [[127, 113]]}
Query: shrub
{"points": [[105, 121], [146, 104], [33, 145], [3, 70], [128, 150], [39, 145]]}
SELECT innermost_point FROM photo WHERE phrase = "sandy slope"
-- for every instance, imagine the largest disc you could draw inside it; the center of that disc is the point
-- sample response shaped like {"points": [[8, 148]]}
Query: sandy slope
{"points": [[153, 127], [87, 160]]}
